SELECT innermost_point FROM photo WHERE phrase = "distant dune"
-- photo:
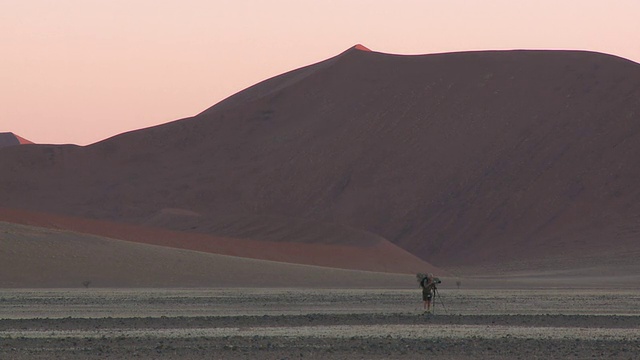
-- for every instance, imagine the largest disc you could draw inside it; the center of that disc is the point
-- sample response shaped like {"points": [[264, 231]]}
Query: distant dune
{"points": [[503, 160], [10, 139]]}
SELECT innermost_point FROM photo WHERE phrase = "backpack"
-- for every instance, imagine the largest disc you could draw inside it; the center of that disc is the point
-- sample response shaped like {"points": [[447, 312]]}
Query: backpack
{"points": [[420, 277]]}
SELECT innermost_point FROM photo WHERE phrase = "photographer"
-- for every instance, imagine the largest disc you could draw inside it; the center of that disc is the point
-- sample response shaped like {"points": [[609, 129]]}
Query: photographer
{"points": [[428, 286]]}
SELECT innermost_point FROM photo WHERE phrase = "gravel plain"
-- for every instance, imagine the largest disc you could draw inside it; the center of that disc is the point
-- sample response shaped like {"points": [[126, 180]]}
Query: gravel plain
{"points": [[317, 324]]}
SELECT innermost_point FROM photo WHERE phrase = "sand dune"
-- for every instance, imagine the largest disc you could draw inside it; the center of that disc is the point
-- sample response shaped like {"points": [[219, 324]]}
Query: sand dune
{"points": [[463, 159], [380, 256], [36, 257], [39, 257]]}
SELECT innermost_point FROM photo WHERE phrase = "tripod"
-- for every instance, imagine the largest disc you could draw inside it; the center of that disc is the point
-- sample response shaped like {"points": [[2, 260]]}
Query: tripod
{"points": [[436, 297]]}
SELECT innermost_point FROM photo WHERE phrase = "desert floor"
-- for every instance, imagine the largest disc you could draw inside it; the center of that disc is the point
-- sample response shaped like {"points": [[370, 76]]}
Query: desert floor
{"points": [[318, 324]]}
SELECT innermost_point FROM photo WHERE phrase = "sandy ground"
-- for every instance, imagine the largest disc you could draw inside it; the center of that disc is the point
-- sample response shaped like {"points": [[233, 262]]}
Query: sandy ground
{"points": [[317, 324]]}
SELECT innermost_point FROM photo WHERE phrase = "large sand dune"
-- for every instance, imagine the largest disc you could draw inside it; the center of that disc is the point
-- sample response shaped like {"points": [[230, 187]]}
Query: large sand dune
{"points": [[464, 159]]}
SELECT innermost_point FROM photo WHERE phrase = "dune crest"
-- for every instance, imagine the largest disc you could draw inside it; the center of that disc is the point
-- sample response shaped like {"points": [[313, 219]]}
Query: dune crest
{"points": [[361, 47]]}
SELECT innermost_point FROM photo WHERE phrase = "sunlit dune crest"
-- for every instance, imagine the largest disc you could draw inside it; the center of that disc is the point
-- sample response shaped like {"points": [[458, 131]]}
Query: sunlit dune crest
{"points": [[361, 47], [23, 140]]}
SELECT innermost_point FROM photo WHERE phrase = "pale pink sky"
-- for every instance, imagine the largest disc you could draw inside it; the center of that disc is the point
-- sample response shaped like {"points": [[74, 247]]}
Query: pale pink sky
{"points": [[79, 71]]}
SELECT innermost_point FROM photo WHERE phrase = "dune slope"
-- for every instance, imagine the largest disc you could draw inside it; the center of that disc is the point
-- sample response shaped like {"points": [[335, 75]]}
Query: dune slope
{"points": [[381, 256], [39, 257]]}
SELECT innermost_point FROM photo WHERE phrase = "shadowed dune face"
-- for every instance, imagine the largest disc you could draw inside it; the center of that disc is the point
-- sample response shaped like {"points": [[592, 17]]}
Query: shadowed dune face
{"points": [[461, 159]]}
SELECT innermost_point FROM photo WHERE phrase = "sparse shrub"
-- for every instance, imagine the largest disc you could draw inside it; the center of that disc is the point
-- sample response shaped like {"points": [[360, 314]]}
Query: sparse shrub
{"points": [[86, 283]]}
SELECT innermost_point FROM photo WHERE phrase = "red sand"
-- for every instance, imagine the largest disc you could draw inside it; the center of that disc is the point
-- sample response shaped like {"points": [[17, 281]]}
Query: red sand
{"points": [[382, 257], [361, 47], [22, 140]]}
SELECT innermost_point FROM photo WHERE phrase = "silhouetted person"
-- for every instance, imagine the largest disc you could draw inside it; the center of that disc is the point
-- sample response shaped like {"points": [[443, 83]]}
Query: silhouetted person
{"points": [[428, 287]]}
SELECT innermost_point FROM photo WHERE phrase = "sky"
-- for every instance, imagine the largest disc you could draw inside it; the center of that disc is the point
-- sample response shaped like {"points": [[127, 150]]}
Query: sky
{"points": [[80, 71]]}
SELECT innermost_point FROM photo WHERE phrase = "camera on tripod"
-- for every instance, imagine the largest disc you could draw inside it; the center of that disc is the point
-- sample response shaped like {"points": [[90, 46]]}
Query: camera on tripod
{"points": [[420, 277]]}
